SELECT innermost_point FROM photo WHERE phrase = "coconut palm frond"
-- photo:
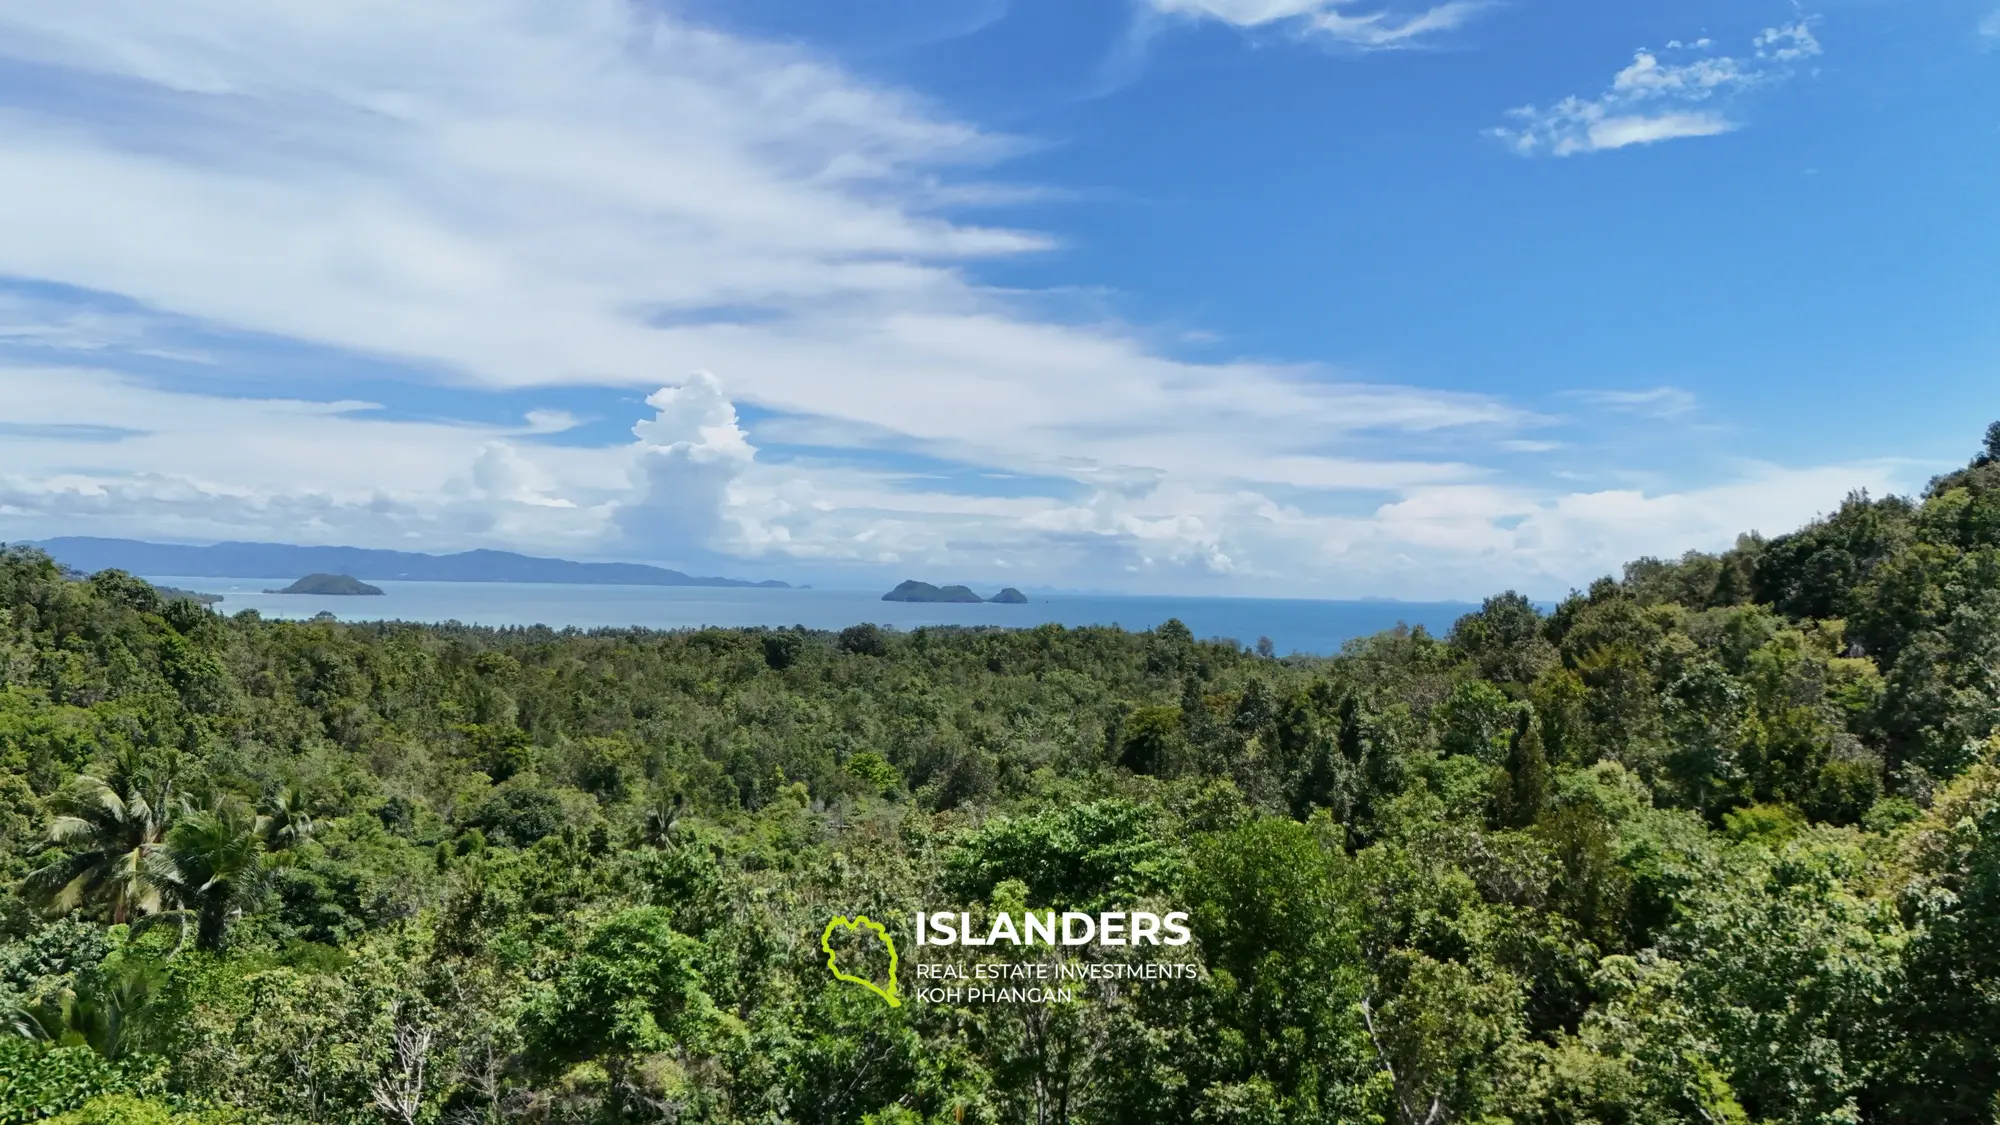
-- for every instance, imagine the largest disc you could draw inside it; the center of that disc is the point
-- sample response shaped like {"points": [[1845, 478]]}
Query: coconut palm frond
{"points": [[285, 820], [43, 1020], [212, 862], [103, 836]]}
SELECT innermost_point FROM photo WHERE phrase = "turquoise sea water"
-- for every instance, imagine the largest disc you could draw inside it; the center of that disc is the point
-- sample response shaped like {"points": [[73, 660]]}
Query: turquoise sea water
{"points": [[1292, 625]]}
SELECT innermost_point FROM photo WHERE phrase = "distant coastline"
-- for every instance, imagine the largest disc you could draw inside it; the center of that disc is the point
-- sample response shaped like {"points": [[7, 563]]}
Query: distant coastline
{"points": [[1303, 625], [262, 560], [176, 594]]}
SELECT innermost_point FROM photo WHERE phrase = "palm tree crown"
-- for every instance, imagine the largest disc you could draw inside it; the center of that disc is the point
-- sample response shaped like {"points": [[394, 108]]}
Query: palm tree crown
{"points": [[214, 863], [108, 842]]}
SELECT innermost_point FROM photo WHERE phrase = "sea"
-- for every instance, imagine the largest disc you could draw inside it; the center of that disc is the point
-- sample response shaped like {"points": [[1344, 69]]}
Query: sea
{"points": [[1294, 626]]}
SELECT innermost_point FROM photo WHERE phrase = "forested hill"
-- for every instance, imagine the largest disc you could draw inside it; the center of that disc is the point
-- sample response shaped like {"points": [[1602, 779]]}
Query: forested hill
{"points": [[272, 560], [1715, 841]]}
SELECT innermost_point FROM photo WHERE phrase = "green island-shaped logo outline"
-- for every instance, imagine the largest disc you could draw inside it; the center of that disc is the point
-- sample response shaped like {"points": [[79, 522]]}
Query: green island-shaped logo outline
{"points": [[855, 923]]}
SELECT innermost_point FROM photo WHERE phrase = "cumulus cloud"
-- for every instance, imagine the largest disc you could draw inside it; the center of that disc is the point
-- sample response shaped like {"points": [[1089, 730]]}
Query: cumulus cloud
{"points": [[1679, 92], [1336, 20], [689, 455]]}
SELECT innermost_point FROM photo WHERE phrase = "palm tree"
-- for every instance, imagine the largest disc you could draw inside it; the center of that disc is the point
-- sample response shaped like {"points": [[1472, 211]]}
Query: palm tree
{"points": [[108, 1011], [285, 820], [665, 813], [107, 842], [213, 866]]}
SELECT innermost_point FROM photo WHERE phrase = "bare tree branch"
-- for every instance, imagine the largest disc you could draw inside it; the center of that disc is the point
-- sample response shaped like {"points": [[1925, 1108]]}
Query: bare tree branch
{"points": [[399, 1092]]}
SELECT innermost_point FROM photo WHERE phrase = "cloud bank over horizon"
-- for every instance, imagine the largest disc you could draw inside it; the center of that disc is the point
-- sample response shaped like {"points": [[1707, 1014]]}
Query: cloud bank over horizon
{"points": [[618, 284]]}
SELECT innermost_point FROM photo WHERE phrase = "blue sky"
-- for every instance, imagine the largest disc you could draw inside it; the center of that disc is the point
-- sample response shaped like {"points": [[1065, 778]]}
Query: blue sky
{"points": [[1315, 297]]}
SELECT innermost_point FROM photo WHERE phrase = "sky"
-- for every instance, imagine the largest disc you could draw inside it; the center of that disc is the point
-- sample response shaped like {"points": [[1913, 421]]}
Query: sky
{"points": [[1321, 298]]}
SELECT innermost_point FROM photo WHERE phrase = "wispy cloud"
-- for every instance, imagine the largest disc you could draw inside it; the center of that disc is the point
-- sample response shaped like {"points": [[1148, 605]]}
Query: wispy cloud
{"points": [[1682, 91], [1656, 402], [1989, 27], [1342, 21], [529, 193], [501, 197]]}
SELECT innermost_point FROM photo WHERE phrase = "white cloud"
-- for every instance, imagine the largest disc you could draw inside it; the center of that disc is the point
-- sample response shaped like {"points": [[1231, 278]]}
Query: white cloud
{"points": [[529, 192], [510, 194], [1989, 27], [1788, 44], [691, 453], [1662, 96], [204, 467], [1332, 19], [551, 421]]}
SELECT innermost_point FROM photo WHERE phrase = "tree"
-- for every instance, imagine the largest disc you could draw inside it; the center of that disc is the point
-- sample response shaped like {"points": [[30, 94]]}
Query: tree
{"points": [[863, 640], [1478, 721], [656, 828], [1948, 1006], [1504, 639], [782, 649], [1151, 740], [215, 856], [634, 990], [1522, 794], [108, 842], [1274, 908], [1084, 857], [109, 1010], [284, 820]]}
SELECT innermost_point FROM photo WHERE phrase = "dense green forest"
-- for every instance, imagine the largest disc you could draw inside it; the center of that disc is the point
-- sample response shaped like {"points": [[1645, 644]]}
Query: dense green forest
{"points": [[1716, 841]]}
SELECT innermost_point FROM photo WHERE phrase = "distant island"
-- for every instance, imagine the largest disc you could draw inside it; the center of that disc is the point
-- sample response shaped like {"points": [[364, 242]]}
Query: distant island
{"points": [[174, 594], [265, 560], [914, 591], [343, 585]]}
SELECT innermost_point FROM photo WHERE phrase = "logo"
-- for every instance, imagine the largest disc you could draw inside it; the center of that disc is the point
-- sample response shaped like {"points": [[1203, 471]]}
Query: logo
{"points": [[862, 923], [1069, 928]]}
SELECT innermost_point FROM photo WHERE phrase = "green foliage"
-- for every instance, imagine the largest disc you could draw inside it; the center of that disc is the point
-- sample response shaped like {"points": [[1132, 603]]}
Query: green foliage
{"points": [[1714, 841], [1504, 640], [1082, 857], [38, 1081], [864, 640], [520, 814], [874, 772], [634, 990], [1278, 916]]}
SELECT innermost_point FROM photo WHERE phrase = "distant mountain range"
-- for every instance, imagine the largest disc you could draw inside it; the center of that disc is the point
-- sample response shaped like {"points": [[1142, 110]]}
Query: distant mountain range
{"points": [[280, 560]]}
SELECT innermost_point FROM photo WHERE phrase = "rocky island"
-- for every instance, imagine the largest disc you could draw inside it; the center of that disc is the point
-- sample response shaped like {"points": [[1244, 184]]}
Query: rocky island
{"points": [[914, 591], [337, 584]]}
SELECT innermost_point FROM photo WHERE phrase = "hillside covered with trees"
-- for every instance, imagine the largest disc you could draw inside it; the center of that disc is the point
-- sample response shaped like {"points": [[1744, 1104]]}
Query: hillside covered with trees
{"points": [[1715, 841]]}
